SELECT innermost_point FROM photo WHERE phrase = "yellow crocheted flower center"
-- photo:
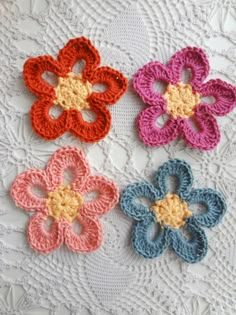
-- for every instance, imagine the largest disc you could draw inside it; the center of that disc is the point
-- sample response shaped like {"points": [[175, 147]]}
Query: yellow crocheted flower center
{"points": [[181, 100], [64, 203], [72, 92], [171, 211]]}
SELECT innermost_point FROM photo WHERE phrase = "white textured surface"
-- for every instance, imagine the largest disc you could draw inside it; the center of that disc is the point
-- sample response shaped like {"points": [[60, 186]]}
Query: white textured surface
{"points": [[114, 280]]}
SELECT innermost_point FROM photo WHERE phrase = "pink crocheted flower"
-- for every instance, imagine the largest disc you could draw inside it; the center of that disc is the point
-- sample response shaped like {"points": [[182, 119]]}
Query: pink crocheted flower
{"points": [[64, 203], [182, 102]]}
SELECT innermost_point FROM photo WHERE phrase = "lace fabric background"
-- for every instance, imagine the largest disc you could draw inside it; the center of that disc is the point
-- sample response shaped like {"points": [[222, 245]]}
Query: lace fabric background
{"points": [[114, 280]]}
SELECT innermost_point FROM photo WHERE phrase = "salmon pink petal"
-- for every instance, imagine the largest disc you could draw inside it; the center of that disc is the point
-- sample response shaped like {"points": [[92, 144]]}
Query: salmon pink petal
{"points": [[22, 190], [41, 239], [88, 240], [68, 158], [107, 195]]}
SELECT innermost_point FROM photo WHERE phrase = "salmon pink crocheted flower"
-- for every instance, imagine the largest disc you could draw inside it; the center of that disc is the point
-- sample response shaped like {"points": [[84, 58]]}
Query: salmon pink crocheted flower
{"points": [[73, 92], [64, 203], [182, 102]]}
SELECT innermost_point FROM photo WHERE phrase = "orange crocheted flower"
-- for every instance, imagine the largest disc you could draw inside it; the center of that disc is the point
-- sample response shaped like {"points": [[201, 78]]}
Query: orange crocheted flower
{"points": [[73, 92]]}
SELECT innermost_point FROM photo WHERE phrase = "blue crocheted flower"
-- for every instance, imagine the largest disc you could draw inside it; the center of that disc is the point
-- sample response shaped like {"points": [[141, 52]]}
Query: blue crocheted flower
{"points": [[171, 211]]}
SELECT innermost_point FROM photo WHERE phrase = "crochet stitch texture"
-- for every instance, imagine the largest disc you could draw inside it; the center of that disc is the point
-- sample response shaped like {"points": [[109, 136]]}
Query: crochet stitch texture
{"points": [[64, 203], [172, 211], [73, 92], [182, 102]]}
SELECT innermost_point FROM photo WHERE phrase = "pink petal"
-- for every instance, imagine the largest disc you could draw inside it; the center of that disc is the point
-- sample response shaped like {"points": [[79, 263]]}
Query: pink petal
{"points": [[207, 137], [108, 196], [144, 79], [224, 94], [64, 159], [42, 240], [21, 189], [150, 133], [193, 58], [88, 240]]}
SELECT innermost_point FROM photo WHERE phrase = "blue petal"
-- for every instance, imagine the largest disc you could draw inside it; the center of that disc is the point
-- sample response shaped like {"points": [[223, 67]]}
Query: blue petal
{"points": [[213, 201], [131, 207], [182, 171], [192, 250], [142, 242]]}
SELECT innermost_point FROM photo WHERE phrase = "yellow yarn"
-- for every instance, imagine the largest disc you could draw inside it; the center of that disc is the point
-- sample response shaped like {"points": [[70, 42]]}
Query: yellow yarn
{"points": [[64, 203], [72, 92], [171, 211], [181, 100]]}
